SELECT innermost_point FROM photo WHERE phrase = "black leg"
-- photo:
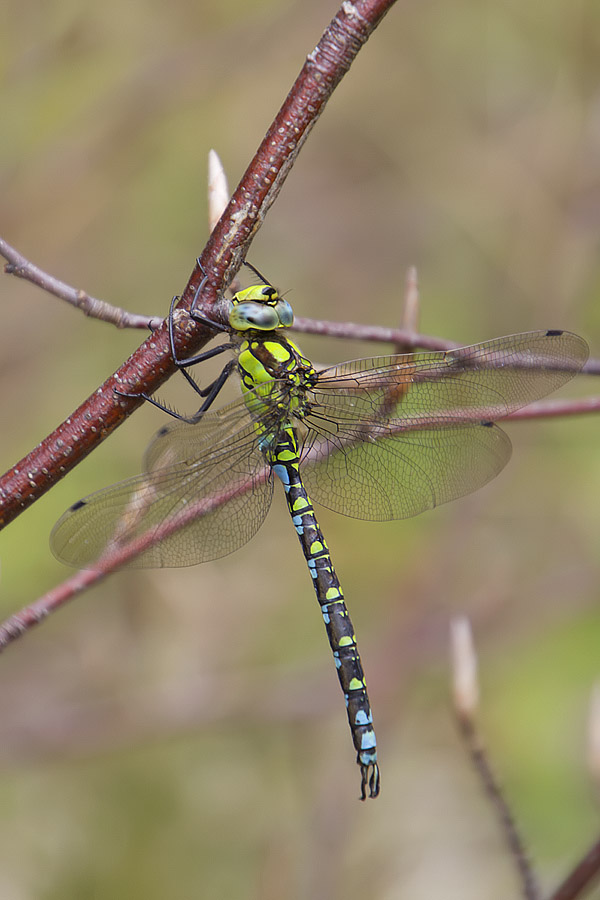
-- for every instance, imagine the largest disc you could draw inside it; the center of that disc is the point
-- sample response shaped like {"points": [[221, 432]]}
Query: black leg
{"points": [[257, 273], [212, 390], [157, 404], [210, 393], [195, 313], [200, 357]]}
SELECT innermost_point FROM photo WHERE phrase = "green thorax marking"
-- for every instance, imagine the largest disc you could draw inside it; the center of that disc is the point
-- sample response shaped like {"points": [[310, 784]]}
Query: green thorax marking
{"points": [[257, 316]]}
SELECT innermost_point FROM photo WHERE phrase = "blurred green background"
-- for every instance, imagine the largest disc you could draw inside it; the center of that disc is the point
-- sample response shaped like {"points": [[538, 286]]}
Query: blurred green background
{"points": [[181, 733]]}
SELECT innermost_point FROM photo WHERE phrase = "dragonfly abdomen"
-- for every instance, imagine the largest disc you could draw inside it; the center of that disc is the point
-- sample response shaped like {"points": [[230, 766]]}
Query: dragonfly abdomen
{"points": [[284, 461]]}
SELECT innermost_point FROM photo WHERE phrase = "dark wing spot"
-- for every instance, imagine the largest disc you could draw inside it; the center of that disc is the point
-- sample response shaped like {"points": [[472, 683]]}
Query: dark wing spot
{"points": [[78, 505], [487, 424], [162, 431], [554, 333]]}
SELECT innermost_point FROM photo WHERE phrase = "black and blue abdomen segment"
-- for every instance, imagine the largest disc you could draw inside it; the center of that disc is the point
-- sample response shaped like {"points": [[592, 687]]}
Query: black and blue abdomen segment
{"points": [[284, 462]]}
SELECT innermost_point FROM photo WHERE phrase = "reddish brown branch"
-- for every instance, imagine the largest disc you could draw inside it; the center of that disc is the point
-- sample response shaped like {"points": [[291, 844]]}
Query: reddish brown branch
{"points": [[115, 557], [23, 621], [582, 877], [151, 364]]}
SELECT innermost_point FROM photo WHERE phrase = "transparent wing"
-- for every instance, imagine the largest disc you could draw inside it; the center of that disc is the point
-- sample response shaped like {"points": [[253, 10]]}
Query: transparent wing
{"points": [[392, 436], [210, 480], [402, 476]]}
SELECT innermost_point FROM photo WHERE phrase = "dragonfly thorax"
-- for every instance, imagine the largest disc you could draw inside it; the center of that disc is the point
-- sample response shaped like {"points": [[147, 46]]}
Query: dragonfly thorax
{"points": [[259, 307], [263, 359]]}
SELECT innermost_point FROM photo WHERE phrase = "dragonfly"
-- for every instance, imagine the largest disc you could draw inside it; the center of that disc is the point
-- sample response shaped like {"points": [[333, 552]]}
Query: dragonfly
{"points": [[378, 439]]}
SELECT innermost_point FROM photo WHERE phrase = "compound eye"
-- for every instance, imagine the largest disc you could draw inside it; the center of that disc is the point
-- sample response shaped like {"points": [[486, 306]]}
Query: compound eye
{"points": [[285, 313], [251, 314]]}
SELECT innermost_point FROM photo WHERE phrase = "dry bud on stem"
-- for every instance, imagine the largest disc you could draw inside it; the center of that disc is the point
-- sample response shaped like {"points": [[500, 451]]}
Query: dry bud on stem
{"points": [[594, 735], [465, 688]]}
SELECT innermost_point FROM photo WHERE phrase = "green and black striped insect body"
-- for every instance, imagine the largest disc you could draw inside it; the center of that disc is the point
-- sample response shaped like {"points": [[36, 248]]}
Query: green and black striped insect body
{"points": [[382, 438], [262, 361]]}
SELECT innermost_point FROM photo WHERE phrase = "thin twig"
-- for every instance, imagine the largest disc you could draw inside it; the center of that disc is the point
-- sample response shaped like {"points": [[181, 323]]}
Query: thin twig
{"points": [[152, 363], [584, 874], [479, 756], [21, 622], [21, 267], [356, 331], [587, 870], [18, 265], [116, 556], [550, 409], [466, 703]]}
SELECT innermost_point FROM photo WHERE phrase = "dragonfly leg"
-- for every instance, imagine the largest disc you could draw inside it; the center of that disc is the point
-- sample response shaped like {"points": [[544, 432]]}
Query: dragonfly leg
{"points": [[212, 390], [162, 406], [210, 393], [183, 364], [257, 273], [197, 359]]}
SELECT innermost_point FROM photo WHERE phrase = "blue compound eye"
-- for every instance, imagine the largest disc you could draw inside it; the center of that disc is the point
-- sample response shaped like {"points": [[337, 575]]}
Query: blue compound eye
{"points": [[285, 313], [251, 314]]}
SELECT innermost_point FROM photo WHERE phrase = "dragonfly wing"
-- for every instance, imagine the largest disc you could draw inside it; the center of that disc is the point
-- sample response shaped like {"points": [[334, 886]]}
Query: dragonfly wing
{"points": [[403, 475], [205, 492], [392, 436], [481, 382]]}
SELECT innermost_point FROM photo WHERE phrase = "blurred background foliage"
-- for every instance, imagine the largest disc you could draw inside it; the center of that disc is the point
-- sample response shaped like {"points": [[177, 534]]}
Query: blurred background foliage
{"points": [[181, 733]]}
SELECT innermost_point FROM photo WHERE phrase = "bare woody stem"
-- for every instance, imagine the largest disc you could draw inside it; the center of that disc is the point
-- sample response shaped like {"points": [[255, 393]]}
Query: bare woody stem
{"points": [[151, 364], [585, 873], [465, 692], [481, 762], [21, 267], [116, 556]]}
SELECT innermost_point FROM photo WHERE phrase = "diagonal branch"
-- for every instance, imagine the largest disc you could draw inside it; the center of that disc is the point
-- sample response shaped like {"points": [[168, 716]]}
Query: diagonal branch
{"points": [[584, 874], [151, 364], [466, 703], [116, 556]]}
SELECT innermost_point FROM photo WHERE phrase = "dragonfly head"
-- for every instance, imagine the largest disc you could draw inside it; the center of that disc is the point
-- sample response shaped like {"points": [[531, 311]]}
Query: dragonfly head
{"points": [[259, 307]]}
